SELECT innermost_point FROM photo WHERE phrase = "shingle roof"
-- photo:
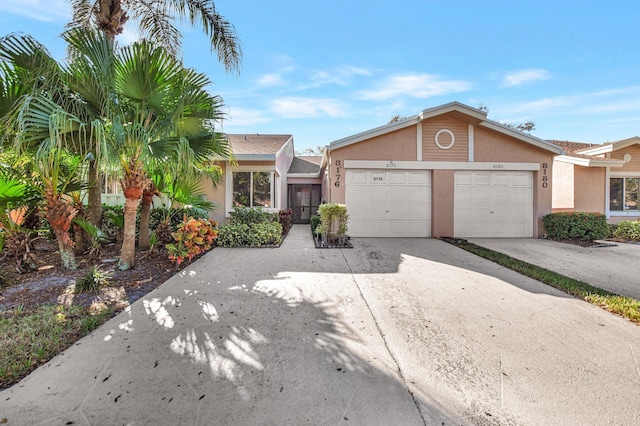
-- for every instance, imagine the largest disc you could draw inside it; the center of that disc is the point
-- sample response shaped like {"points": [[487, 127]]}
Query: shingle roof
{"points": [[572, 148], [256, 144], [305, 165]]}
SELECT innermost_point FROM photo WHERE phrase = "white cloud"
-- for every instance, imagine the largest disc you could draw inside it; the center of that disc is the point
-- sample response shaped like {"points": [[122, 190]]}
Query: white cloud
{"points": [[48, 11], [421, 86], [239, 116], [341, 76], [299, 107], [601, 102], [273, 79], [521, 77]]}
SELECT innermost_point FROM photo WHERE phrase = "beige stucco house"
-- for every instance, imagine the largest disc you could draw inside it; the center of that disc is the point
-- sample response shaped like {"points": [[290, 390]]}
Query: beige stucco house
{"points": [[267, 174], [598, 178], [447, 171]]}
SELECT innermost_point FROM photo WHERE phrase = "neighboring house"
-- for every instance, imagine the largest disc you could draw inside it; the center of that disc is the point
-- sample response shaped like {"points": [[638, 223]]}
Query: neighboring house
{"points": [[448, 171], [267, 174], [264, 173], [598, 178]]}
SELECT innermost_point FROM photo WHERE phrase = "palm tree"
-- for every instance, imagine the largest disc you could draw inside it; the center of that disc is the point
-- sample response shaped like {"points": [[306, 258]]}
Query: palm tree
{"points": [[165, 113], [197, 149], [156, 20]]}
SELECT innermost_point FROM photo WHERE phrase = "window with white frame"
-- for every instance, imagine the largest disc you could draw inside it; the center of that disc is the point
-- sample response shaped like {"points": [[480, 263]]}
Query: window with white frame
{"points": [[623, 193], [253, 189]]}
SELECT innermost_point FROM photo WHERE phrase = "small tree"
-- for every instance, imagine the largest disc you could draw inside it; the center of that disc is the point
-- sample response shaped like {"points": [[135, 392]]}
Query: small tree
{"points": [[333, 222]]}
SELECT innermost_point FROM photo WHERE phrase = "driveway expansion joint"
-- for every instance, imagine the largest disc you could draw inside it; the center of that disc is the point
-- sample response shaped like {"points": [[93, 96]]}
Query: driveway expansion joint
{"points": [[384, 339]]}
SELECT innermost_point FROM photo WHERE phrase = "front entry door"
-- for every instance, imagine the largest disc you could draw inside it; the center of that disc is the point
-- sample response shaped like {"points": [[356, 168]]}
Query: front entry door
{"points": [[304, 200]]}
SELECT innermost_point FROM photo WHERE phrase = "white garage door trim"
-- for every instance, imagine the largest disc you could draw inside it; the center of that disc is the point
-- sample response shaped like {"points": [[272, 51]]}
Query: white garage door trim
{"points": [[493, 204], [388, 203]]}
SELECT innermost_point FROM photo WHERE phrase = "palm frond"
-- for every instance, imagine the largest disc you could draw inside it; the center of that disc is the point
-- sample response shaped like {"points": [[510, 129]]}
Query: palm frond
{"points": [[223, 37]]}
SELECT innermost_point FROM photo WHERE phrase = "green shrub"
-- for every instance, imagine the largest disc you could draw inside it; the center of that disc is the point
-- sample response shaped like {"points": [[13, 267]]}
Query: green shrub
{"points": [[250, 235], [92, 280], [112, 222], [333, 218], [232, 235], [612, 229], [628, 230], [315, 222], [583, 226], [159, 214], [192, 238], [249, 215]]}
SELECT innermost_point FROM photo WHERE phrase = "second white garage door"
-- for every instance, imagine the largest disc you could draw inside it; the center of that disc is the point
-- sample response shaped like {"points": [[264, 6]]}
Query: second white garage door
{"points": [[493, 204], [388, 203]]}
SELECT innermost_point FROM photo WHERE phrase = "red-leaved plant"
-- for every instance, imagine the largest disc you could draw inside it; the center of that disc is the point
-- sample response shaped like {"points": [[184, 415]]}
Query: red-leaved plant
{"points": [[193, 237]]}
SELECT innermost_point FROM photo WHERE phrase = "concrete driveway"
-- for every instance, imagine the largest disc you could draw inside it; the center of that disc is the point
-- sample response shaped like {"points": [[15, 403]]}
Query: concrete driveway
{"points": [[614, 266], [392, 332]]}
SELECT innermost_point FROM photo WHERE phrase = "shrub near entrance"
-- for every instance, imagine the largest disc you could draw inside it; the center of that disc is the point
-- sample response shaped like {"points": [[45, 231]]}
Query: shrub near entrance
{"points": [[628, 230], [583, 226]]}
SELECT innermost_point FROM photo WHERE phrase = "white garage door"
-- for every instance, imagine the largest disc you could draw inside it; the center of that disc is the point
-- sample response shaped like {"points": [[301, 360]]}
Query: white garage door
{"points": [[388, 203], [493, 204]]}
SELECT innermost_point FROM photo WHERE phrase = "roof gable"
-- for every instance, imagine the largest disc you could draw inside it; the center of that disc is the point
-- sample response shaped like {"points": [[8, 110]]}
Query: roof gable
{"points": [[305, 165], [610, 147], [473, 115], [257, 147]]}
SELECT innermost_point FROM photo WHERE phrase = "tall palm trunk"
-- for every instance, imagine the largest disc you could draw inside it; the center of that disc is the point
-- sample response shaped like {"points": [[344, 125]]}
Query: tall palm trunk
{"points": [[59, 213], [94, 203], [145, 217], [133, 184], [128, 251]]}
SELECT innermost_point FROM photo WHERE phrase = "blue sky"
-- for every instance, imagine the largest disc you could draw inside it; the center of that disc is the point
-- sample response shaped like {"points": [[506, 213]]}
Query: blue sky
{"points": [[328, 69]]}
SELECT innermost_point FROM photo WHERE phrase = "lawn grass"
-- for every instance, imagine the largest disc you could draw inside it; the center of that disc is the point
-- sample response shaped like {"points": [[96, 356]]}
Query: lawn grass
{"points": [[624, 306], [31, 338]]}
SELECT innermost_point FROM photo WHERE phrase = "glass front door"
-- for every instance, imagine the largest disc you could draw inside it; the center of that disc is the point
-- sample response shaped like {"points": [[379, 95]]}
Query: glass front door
{"points": [[304, 200]]}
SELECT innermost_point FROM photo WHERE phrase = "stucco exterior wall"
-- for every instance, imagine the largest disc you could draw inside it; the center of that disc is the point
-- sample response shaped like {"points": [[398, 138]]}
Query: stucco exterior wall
{"points": [[442, 188], [562, 186], [494, 147], [400, 145], [217, 196], [590, 189]]}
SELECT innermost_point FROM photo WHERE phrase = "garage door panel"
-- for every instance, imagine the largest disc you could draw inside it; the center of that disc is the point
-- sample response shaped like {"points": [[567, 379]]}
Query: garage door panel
{"points": [[396, 203], [481, 179], [463, 179], [418, 178], [494, 204], [419, 196], [397, 178], [357, 177]]}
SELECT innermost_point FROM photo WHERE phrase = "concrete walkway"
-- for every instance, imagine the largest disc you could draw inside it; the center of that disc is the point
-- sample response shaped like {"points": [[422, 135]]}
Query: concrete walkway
{"points": [[392, 332], [615, 267]]}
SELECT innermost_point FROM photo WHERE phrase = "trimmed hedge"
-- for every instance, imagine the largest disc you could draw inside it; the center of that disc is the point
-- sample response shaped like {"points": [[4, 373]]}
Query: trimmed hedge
{"points": [[628, 230], [250, 235], [250, 227], [583, 226]]}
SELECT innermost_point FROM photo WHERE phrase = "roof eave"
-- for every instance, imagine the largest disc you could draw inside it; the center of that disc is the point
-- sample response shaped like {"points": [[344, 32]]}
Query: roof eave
{"points": [[378, 131], [284, 145], [255, 157], [589, 162], [303, 175], [450, 107], [610, 147], [501, 128]]}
